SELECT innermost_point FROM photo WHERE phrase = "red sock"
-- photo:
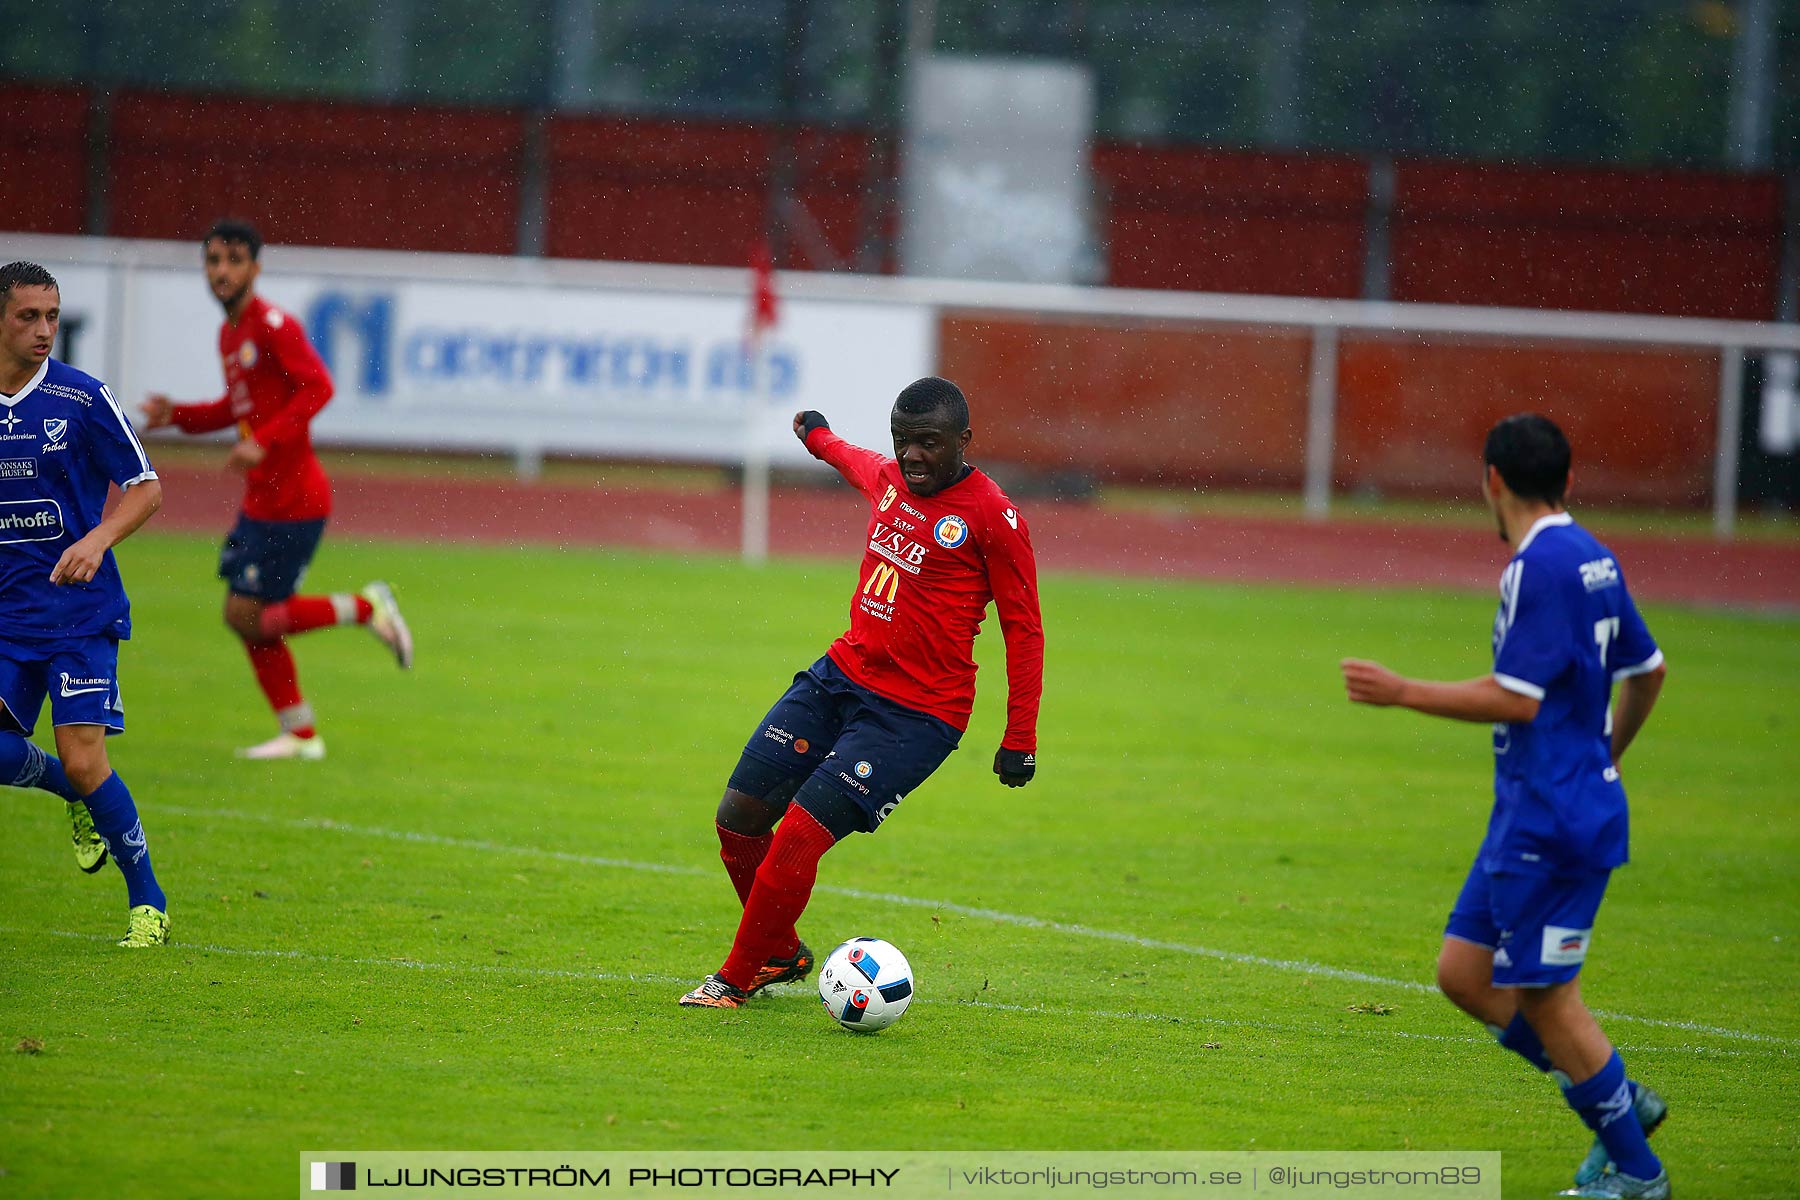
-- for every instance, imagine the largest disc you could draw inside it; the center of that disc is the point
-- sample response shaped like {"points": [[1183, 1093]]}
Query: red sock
{"points": [[784, 884], [741, 855], [302, 614], [280, 682]]}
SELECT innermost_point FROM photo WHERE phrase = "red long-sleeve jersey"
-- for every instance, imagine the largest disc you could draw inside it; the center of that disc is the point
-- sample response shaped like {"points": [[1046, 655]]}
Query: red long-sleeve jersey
{"points": [[932, 565], [275, 383]]}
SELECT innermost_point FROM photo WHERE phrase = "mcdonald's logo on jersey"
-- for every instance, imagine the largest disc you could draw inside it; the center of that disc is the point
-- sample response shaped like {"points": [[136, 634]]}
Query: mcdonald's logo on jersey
{"points": [[884, 578], [887, 499]]}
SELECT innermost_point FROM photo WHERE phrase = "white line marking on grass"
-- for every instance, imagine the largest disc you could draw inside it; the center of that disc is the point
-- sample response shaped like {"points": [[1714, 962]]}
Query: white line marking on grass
{"points": [[564, 973], [407, 964], [414, 964], [1296, 965]]}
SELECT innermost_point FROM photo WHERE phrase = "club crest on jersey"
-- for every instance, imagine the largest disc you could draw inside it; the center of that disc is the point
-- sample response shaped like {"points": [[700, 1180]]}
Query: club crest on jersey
{"points": [[950, 532], [54, 428], [887, 499], [246, 355], [864, 770]]}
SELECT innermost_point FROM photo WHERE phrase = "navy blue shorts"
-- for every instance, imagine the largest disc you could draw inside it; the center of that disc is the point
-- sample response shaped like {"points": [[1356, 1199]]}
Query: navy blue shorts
{"points": [[267, 560], [835, 730], [79, 675], [1538, 924]]}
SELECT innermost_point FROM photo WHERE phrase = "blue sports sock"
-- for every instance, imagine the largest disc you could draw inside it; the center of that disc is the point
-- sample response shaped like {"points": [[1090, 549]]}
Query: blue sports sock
{"points": [[24, 765], [116, 820], [1604, 1104], [1522, 1040]]}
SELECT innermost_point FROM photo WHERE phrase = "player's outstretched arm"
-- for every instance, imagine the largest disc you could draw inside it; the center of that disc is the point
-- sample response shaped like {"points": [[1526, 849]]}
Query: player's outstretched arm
{"points": [[860, 468], [83, 558], [1481, 699], [205, 417], [1012, 579], [1637, 696], [158, 410]]}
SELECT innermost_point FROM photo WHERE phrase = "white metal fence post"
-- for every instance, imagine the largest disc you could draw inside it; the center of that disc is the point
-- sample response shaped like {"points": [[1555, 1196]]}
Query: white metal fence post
{"points": [[755, 533], [1321, 421], [1725, 455]]}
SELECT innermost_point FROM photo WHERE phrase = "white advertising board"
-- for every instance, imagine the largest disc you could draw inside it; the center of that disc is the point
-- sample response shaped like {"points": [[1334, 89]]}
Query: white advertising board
{"points": [[528, 367]]}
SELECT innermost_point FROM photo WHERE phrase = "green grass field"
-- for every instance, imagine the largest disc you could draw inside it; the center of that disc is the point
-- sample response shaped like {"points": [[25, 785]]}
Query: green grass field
{"points": [[466, 928]]}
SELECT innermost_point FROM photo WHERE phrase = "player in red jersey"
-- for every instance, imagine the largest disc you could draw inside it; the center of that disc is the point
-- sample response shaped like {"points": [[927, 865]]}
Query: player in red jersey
{"points": [[274, 385], [870, 721]]}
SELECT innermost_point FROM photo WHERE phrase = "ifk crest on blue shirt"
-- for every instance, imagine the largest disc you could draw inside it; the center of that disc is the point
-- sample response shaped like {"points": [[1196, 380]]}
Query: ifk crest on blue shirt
{"points": [[63, 440], [1565, 631]]}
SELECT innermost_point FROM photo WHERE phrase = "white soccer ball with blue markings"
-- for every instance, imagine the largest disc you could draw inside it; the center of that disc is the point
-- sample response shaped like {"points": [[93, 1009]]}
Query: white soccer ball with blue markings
{"points": [[866, 984]]}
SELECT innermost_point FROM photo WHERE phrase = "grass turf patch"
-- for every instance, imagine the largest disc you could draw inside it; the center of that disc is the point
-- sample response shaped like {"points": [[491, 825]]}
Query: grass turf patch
{"points": [[467, 926]]}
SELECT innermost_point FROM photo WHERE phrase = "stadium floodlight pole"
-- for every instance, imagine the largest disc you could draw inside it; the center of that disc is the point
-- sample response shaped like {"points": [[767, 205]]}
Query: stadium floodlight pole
{"points": [[783, 167]]}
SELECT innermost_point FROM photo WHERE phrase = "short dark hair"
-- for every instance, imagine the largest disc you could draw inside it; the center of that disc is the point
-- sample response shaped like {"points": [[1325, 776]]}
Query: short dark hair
{"points": [[230, 229], [23, 274], [931, 395], [1532, 456]]}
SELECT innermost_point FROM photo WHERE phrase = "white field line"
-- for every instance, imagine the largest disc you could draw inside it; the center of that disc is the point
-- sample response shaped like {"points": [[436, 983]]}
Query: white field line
{"points": [[676, 981], [1297, 966]]}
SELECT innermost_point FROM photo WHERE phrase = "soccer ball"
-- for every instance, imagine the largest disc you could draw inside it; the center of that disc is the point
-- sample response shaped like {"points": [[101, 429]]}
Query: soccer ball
{"points": [[866, 984]]}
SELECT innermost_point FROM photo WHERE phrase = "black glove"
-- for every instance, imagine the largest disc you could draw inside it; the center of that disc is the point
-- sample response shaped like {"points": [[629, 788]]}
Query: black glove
{"points": [[1015, 767], [808, 421]]}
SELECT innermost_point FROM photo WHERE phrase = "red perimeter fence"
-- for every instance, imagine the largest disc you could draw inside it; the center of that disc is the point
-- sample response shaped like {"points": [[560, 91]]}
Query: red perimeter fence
{"points": [[690, 191], [1203, 405]]}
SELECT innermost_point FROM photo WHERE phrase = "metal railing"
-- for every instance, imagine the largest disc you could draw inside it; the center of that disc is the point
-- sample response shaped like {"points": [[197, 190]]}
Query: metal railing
{"points": [[1323, 320]]}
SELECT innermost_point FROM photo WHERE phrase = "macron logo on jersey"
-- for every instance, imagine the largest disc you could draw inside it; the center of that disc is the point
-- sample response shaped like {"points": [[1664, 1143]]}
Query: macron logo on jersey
{"points": [[1012, 517]]}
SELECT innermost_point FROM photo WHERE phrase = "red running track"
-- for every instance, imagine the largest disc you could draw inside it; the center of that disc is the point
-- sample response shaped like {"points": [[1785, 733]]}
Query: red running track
{"points": [[1069, 536]]}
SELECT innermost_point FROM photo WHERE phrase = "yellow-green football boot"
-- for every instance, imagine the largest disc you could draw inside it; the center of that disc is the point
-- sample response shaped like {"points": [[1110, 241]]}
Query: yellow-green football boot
{"points": [[90, 847], [149, 927]]}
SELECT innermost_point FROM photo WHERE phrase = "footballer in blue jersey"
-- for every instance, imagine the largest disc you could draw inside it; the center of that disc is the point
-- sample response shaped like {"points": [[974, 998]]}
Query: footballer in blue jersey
{"points": [[64, 442], [1566, 634]]}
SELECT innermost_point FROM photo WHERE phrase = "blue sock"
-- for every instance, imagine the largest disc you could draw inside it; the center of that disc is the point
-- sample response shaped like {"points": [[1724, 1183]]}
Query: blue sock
{"points": [[1604, 1104], [24, 765], [116, 820], [1522, 1040]]}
